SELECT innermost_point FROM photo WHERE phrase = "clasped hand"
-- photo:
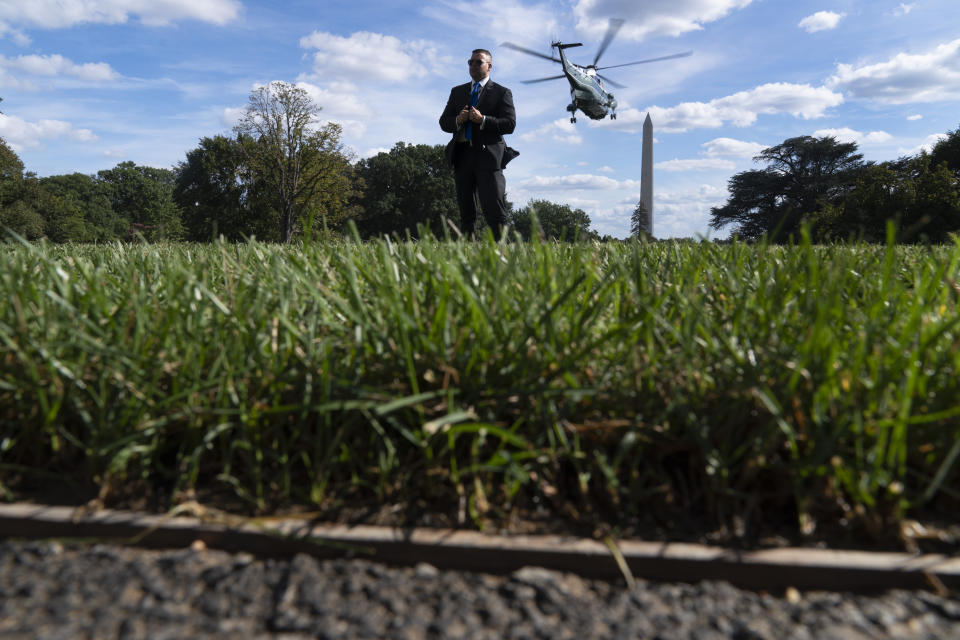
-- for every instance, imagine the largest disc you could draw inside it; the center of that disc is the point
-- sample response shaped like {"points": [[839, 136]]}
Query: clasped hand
{"points": [[470, 113]]}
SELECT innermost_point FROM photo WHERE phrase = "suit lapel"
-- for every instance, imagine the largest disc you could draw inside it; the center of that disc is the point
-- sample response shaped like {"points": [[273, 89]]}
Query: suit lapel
{"points": [[484, 90]]}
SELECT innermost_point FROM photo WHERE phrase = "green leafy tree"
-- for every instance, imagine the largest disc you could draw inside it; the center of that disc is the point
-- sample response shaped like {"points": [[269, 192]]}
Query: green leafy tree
{"points": [[215, 190], [76, 208], [11, 168], [936, 210], [803, 175], [921, 199], [291, 156], [17, 213], [880, 193], [947, 150], [408, 186], [143, 196], [638, 222], [336, 185], [19, 217], [11, 175], [551, 221]]}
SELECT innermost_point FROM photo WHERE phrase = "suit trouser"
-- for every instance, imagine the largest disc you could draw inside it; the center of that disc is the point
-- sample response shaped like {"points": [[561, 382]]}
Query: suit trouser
{"points": [[489, 186]]}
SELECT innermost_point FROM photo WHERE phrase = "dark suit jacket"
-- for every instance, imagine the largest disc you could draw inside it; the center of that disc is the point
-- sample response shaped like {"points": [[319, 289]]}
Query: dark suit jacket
{"points": [[496, 103]]}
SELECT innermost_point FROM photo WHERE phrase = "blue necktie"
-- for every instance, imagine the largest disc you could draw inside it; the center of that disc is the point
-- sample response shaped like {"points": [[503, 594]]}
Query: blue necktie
{"points": [[474, 96]]}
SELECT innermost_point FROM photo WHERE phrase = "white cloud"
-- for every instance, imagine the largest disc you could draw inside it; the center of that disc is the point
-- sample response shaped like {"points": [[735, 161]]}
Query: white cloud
{"points": [[356, 122], [728, 147], [369, 110], [18, 37], [369, 153], [695, 164], [714, 157], [510, 20], [231, 116], [915, 116], [905, 78], [341, 103], [651, 17], [373, 56], [21, 134], [904, 9], [340, 100], [821, 21], [559, 130], [926, 145], [740, 109], [577, 181], [57, 66], [876, 137], [677, 213], [54, 14], [846, 134], [685, 213]]}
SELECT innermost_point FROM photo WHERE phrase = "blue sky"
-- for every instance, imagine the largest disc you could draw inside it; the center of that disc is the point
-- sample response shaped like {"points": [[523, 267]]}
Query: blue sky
{"points": [[90, 83]]}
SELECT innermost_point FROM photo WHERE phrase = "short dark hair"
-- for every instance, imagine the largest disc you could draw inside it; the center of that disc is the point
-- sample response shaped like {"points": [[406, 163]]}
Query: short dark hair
{"points": [[483, 51]]}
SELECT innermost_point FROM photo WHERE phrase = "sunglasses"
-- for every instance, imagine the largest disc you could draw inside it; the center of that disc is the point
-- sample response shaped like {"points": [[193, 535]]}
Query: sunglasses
{"points": [[474, 61]]}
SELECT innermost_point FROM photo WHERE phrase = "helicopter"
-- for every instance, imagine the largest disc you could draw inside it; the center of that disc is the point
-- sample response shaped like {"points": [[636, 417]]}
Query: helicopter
{"points": [[587, 91]]}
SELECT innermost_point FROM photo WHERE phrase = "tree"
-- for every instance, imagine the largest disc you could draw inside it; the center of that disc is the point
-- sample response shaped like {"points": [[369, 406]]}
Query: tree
{"points": [[143, 196], [11, 168], [336, 186], [880, 193], [921, 199], [16, 211], [214, 189], [638, 222], [936, 210], [11, 174], [553, 221], [803, 176], [20, 218], [408, 186], [947, 150], [76, 208], [292, 157]]}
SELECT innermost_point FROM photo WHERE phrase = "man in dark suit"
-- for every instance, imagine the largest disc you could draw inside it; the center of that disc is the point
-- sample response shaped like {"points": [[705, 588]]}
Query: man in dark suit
{"points": [[479, 114]]}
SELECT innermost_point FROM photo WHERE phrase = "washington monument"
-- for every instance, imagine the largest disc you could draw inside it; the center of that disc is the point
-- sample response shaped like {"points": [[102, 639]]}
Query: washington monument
{"points": [[646, 174]]}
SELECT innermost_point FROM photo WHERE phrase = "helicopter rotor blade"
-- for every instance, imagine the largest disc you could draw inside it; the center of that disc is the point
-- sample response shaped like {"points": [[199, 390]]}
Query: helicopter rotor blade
{"points": [[543, 79], [671, 57], [517, 47], [615, 24], [611, 82]]}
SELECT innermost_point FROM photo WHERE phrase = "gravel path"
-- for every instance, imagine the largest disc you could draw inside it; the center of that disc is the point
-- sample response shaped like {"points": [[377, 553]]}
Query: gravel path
{"points": [[52, 591]]}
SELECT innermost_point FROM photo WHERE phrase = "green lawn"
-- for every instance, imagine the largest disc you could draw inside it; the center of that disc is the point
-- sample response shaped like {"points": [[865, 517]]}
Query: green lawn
{"points": [[605, 382]]}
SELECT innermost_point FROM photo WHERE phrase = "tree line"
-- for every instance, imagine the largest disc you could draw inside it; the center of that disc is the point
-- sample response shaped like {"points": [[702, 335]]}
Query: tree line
{"points": [[278, 177], [825, 186]]}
